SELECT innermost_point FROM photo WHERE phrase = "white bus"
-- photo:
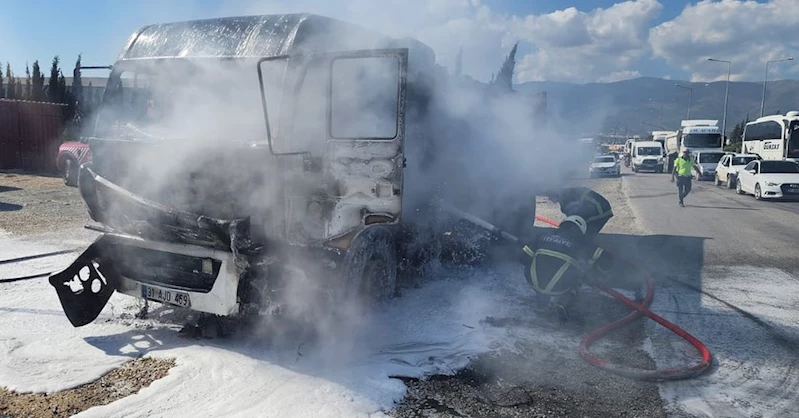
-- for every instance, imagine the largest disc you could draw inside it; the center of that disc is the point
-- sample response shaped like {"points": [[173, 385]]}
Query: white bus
{"points": [[774, 137]]}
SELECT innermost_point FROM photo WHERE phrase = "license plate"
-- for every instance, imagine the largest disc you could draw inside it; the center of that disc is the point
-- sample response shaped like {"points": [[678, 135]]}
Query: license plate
{"points": [[792, 190], [171, 297]]}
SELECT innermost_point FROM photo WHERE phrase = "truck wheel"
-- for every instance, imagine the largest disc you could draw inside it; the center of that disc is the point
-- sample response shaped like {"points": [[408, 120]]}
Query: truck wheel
{"points": [[730, 182], [70, 172], [369, 272], [718, 181]]}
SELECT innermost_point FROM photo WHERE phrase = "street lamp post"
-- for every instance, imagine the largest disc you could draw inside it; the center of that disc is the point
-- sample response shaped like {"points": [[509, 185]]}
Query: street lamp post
{"points": [[726, 97], [765, 80], [690, 96]]}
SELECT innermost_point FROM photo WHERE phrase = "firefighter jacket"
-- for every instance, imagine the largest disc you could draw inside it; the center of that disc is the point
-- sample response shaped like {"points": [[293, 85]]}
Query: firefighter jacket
{"points": [[557, 262], [585, 203]]}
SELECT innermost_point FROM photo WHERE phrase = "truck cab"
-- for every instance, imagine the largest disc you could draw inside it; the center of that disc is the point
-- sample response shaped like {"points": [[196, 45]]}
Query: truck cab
{"points": [[696, 135], [237, 159]]}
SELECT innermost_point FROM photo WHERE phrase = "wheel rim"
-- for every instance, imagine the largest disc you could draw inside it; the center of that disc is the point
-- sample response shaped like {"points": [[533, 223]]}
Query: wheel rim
{"points": [[757, 191]]}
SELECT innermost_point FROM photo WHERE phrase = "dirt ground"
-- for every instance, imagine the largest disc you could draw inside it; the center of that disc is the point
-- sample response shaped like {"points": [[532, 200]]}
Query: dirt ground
{"points": [[546, 379], [119, 383], [34, 204]]}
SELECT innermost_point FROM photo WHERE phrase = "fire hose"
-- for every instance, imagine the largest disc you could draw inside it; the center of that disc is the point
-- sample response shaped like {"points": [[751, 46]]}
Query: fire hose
{"points": [[638, 310]]}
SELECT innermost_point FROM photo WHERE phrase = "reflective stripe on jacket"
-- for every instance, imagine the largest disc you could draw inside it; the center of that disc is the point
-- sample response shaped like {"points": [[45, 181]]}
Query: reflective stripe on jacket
{"points": [[568, 262], [601, 213], [586, 203]]}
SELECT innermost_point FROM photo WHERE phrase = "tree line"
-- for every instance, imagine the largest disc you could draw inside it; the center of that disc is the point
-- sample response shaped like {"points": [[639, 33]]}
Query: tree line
{"points": [[37, 86]]}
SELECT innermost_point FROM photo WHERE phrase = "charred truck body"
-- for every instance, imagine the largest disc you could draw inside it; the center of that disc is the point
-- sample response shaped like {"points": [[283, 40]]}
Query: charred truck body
{"points": [[235, 158]]}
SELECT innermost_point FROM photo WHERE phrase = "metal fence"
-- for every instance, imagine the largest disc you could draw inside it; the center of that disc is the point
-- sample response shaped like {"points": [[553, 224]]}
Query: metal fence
{"points": [[30, 133]]}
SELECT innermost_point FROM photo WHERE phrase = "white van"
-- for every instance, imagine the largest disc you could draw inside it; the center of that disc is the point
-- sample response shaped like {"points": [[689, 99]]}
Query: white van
{"points": [[647, 155], [706, 163]]}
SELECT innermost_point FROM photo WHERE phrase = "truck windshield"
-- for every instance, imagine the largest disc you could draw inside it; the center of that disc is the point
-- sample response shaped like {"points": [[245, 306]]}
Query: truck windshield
{"points": [[649, 151], [183, 98], [710, 157], [701, 140]]}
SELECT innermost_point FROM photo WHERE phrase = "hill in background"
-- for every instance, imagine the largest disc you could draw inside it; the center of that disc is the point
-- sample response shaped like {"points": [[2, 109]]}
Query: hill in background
{"points": [[633, 106]]}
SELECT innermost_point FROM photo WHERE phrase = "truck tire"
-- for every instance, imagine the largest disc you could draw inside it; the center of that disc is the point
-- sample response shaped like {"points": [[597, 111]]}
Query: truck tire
{"points": [[70, 172], [369, 271], [730, 182]]}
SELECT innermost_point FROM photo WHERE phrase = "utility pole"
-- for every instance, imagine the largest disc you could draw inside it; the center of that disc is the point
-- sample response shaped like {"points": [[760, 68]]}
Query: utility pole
{"points": [[765, 80], [726, 96], [690, 96]]}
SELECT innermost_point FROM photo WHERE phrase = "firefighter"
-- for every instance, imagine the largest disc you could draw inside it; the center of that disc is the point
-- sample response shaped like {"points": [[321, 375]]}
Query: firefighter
{"points": [[558, 263], [585, 203]]}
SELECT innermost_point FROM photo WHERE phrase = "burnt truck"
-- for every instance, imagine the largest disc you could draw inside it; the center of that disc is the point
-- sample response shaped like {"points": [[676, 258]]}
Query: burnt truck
{"points": [[235, 159]]}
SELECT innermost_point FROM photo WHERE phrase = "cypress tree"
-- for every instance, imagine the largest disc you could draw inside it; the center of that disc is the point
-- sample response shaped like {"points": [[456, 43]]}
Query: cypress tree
{"points": [[12, 85], [52, 85], [77, 84], [504, 78], [27, 82], [459, 62], [37, 79]]}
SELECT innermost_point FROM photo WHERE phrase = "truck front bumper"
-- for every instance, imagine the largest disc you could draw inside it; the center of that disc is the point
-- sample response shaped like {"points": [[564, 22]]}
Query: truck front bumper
{"points": [[199, 278]]}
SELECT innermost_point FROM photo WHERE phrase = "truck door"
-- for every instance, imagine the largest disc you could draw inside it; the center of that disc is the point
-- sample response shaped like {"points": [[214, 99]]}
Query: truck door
{"points": [[365, 139]]}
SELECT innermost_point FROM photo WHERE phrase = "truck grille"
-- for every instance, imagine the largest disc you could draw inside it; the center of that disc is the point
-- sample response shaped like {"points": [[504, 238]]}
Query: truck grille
{"points": [[164, 268], [650, 161]]}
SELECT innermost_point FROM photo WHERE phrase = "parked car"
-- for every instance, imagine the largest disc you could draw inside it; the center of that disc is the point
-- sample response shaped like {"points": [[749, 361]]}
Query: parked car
{"points": [[729, 165], [706, 163], [769, 179], [71, 155], [604, 165]]}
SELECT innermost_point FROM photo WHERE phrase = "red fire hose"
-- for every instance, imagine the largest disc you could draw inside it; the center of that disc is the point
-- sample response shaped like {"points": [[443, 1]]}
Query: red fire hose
{"points": [[638, 311]]}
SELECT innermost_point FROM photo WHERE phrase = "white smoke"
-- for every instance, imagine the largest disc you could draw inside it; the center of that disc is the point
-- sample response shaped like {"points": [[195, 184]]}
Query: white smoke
{"points": [[480, 149]]}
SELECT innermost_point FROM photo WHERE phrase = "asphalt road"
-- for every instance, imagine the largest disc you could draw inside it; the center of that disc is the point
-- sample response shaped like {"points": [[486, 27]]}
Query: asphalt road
{"points": [[736, 229], [727, 272]]}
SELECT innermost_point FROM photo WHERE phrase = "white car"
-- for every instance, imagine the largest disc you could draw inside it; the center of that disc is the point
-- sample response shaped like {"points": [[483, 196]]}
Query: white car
{"points": [[769, 179], [605, 165], [729, 165]]}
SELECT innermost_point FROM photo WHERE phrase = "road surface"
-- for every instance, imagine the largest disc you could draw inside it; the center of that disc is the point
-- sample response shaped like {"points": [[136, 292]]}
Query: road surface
{"points": [[727, 272]]}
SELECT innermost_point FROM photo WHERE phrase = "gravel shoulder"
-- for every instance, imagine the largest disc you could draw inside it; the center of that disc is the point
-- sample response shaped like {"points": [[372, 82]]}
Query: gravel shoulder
{"points": [[544, 376]]}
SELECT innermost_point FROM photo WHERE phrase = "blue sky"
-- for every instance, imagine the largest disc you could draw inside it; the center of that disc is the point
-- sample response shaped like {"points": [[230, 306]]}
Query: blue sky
{"points": [[612, 39]]}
